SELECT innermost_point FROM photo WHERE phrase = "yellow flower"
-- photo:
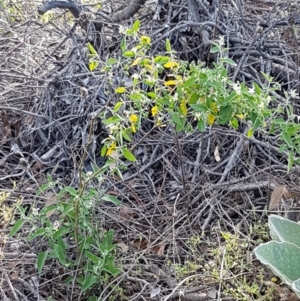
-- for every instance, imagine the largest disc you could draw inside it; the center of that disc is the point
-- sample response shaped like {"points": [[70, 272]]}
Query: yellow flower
{"points": [[111, 149], [133, 128], [133, 118], [154, 110]]}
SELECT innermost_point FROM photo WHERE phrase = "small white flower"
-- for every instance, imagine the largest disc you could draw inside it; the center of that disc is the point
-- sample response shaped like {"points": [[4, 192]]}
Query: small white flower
{"points": [[197, 116], [135, 75], [277, 86], [122, 29], [237, 88], [261, 105], [251, 91], [221, 41], [56, 225], [293, 93], [112, 127], [35, 211]]}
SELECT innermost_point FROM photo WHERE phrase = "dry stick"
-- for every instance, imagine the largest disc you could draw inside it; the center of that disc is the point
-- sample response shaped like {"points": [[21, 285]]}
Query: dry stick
{"points": [[140, 256], [195, 16], [228, 167], [30, 288], [233, 157], [179, 285], [11, 286], [3, 295], [187, 24], [148, 165], [183, 179]]}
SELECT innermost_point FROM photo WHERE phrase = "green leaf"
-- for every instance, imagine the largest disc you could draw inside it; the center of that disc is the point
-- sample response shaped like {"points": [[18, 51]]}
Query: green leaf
{"points": [[128, 155], [214, 49], [178, 120], [168, 45], [193, 98], [117, 107], [110, 120], [60, 254], [61, 232], [95, 259], [92, 49], [41, 261], [111, 268], [120, 90], [111, 199], [129, 54], [283, 229], [88, 282], [190, 82], [136, 25], [135, 96], [201, 125], [123, 44], [282, 258], [61, 243], [35, 234], [42, 188], [292, 129], [296, 287], [152, 95], [126, 136], [161, 59], [287, 139], [69, 280], [199, 108], [71, 191], [103, 150], [234, 122], [111, 61], [106, 245], [228, 61], [225, 114], [18, 225]]}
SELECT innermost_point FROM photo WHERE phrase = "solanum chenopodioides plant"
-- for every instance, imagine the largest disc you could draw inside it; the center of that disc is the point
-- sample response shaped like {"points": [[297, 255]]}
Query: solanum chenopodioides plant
{"points": [[187, 95]]}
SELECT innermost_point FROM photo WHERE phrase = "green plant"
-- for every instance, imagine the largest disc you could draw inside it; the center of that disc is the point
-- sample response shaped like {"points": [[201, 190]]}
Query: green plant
{"points": [[187, 96], [73, 223], [282, 255]]}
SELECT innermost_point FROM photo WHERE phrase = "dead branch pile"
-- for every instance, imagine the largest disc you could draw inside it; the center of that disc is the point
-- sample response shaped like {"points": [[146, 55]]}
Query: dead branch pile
{"points": [[182, 184]]}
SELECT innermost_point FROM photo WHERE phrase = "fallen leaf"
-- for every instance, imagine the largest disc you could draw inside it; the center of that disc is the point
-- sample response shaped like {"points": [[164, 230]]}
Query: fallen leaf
{"points": [[154, 292], [140, 244], [280, 193], [123, 248], [217, 155], [159, 249], [293, 297]]}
